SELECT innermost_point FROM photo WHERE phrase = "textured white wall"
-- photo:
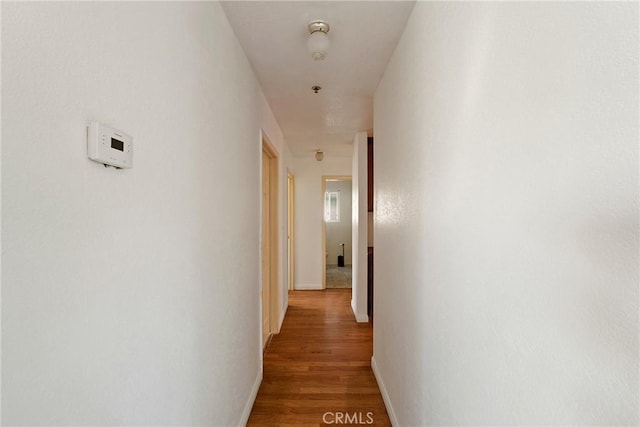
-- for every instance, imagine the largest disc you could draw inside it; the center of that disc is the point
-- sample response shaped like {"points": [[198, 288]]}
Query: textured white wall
{"points": [[340, 232], [359, 228], [309, 216], [129, 297], [506, 173]]}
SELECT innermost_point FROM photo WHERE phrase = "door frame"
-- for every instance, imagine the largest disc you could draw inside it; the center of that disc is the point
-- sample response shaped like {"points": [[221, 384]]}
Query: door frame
{"points": [[290, 229], [274, 250], [325, 178]]}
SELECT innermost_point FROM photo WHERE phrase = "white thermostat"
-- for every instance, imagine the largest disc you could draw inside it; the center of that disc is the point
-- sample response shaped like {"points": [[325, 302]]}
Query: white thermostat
{"points": [[109, 146]]}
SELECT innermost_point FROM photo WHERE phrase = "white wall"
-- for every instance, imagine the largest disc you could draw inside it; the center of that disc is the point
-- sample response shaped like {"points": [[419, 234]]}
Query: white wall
{"points": [[309, 216], [339, 232], [129, 297], [506, 218], [359, 228]]}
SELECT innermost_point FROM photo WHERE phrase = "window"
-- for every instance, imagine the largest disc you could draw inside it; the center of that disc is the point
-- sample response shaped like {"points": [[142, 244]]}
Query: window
{"points": [[332, 206]]}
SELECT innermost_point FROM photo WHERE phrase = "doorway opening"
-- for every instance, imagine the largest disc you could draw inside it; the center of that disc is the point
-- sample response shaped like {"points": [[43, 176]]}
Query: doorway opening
{"points": [[336, 232], [269, 290]]}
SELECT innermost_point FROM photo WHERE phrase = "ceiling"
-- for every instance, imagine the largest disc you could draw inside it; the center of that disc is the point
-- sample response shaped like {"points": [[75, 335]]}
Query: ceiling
{"points": [[363, 36]]}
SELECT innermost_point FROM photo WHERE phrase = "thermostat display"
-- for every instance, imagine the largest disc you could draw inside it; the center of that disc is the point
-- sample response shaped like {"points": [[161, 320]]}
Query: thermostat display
{"points": [[109, 146], [118, 145]]}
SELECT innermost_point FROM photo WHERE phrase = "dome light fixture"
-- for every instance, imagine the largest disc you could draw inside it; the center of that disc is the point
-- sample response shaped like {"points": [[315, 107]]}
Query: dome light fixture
{"points": [[318, 43], [319, 155]]}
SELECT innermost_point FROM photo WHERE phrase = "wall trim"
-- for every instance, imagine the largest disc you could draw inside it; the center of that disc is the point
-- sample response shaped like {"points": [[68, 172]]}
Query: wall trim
{"points": [[385, 395], [360, 318], [308, 286], [252, 398]]}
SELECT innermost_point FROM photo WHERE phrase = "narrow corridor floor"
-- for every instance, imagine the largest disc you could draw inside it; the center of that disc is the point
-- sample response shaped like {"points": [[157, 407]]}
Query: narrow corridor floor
{"points": [[317, 371]]}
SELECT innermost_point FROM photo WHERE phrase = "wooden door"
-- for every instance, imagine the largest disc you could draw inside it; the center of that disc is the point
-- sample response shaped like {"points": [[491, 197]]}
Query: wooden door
{"points": [[266, 247]]}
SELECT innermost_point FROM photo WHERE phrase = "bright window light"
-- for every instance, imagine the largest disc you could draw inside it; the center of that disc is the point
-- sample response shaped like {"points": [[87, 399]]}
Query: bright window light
{"points": [[332, 206]]}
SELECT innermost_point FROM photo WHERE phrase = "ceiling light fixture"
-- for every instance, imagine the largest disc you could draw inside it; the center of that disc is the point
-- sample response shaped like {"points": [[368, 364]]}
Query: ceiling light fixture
{"points": [[318, 43], [319, 155]]}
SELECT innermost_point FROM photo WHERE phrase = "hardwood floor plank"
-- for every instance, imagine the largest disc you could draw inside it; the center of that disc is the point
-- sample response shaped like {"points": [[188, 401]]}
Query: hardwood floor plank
{"points": [[319, 367]]}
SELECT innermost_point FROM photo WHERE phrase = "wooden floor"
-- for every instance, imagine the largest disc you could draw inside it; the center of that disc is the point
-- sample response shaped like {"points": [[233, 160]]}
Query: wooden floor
{"points": [[319, 366]]}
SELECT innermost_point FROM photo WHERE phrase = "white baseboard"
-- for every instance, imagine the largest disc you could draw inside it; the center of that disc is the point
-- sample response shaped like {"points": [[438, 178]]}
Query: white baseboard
{"points": [[252, 398], [385, 395], [360, 318], [308, 286]]}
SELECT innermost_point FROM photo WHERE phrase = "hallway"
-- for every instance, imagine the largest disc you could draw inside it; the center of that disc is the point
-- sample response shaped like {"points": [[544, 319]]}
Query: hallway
{"points": [[319, 366], [493, 154]]}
